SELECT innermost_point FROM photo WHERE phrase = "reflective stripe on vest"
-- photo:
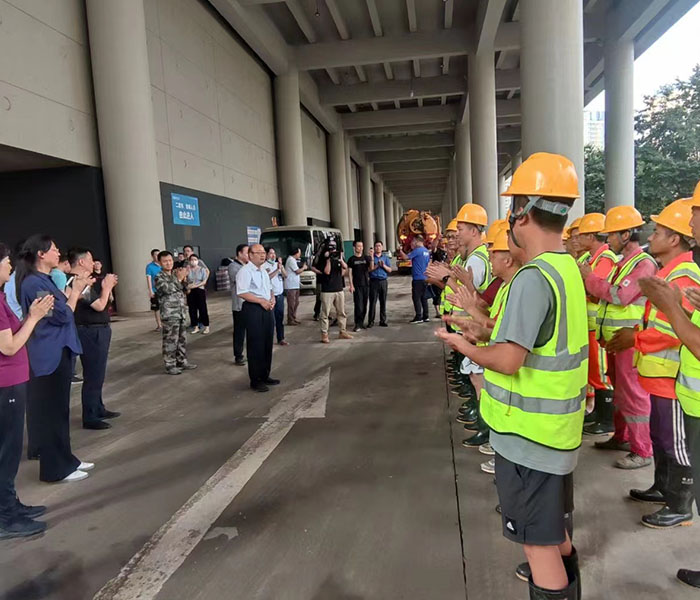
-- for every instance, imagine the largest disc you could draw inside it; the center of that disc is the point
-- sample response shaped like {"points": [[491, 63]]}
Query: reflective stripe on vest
{"points": [[544, 400], [665, 363], [592, 306], [688, 381], [583, 258], [613, 315], [483, 254], [445, 305]]}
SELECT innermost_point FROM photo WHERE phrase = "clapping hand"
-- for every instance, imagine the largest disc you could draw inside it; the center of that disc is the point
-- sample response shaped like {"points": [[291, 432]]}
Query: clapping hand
{"points": [[623, 339], [437, 271], [454, 340], [110, 281], [41, 307], [585, 270], [665, 296], [471, 330], [464, 276], [467, 300], [80, 282]]}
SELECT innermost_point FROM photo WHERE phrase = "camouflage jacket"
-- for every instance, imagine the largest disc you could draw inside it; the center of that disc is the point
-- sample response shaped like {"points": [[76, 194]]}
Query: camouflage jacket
{"points": [[171, 297]]}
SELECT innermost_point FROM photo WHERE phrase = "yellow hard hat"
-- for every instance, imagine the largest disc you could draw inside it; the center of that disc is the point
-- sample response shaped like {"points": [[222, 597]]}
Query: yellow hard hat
{"points": [[592, 223], [495, 227], [472, 213], [621, 218], [575, 224], [545, 174], [695, 200], [500, 242], [451, 226], [676, 217]]}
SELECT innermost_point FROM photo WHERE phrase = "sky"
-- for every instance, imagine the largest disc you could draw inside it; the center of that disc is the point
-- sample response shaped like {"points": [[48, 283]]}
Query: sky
{"points": [[670, 58]]}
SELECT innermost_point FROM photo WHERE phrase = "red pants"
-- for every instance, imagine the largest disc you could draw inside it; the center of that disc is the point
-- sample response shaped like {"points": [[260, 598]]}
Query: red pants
{"points": [[597, 366], [632, 403]]}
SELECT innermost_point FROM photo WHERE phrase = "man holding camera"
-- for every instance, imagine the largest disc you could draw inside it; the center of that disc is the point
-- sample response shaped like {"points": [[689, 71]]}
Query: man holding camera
{"points": [[333, 268]]}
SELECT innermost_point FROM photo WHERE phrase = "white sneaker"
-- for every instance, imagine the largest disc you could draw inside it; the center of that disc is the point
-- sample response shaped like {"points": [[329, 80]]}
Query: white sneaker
{"points": [[489, 466], [74, 476], [194, 330], [487, 449], [86, 466], [205, 331]]}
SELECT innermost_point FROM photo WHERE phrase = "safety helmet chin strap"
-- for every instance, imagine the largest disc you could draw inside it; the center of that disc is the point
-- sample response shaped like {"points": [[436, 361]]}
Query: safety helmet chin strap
{"points": [[555, 208]]}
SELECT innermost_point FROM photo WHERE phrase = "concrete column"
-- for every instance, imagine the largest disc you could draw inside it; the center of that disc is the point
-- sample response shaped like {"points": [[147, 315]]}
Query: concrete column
{"points": [[122, 87], [516, 160], [482, 126], [397, 218], [366, 207], [463, 163], [389, 225], [551, 67], [619, 123], [454, 189], [349, 194], [338, 185], [290, 153], [379, 226], [501, 199]]}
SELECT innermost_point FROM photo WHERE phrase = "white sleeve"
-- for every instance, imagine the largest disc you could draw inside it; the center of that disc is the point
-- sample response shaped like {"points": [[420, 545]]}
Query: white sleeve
{"points": [[243, 279], [478, 269]]}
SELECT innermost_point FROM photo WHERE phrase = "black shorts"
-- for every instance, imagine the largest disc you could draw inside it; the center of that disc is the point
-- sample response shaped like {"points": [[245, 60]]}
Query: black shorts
{"points": [[533, 503], [154, 303]]}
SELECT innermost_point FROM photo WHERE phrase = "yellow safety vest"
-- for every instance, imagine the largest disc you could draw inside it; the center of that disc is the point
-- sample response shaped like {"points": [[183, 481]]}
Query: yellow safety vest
{"points": [[613, 315], [688, 381], [544, 401], [445, 305], [591, 306], [483, 253], [665, 363], [584, 257]]}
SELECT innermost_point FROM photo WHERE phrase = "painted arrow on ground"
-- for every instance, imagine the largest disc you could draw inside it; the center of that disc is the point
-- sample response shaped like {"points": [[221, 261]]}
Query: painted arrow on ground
{"points": [[148, 570]]}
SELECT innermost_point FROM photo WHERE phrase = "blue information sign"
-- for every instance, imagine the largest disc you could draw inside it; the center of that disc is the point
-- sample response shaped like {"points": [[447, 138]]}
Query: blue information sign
{"points": [[185, 209]]}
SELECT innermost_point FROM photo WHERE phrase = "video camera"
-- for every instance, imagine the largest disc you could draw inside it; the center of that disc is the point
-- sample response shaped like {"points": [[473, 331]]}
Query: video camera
{"points": [[329, 245]]}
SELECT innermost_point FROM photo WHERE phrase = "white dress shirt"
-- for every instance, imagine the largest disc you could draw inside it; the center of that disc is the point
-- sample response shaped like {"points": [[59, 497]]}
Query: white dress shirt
{"points": [[277, 281], [253, 280]]}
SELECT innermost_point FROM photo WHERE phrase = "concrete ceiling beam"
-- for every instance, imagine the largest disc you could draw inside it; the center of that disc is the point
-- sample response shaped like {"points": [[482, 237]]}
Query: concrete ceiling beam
{"points": [[408, 142], [385, 91], [395, 129], [385, 156], [392, 178], [399, 117], [424, 165], [510, 134]]}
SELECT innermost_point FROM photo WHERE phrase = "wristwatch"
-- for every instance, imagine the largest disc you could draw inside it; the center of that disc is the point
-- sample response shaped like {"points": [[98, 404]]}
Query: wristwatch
{"points": [[445, 279]]}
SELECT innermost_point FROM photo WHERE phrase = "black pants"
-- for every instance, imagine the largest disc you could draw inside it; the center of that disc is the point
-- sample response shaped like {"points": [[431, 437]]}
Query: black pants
{"points": [[95, 342], [692, 436], [48, 421], [377, 289], [359, 298], [12, 401], [420, 299], [238, 334], [197, 305], [278, 313], [317, 304], [259, 329]]}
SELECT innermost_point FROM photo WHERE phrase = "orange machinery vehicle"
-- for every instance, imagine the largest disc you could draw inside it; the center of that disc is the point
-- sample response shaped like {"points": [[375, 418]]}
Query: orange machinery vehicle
{"points": [[413, 223]]}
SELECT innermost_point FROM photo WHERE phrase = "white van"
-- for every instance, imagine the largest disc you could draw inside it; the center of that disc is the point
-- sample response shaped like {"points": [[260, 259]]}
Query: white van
{"points": [[306, 238]]}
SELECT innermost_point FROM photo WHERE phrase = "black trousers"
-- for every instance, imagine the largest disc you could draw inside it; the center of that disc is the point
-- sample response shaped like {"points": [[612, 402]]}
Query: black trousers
{"points": [[95, 342], [278, 313], [259, 330], [238, 334], [692, 436], [317, 304], [197, 305], [377, 289], [420, 299], [48, 421], [359, 298], [12, 402]]}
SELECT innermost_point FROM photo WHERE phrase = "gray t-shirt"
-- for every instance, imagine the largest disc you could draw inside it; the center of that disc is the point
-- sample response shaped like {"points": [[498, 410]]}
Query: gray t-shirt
{"points": [[528, 320]]}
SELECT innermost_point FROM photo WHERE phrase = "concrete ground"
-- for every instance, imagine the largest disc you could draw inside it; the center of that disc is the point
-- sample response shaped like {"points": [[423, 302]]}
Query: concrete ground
{"points": [[222, 493]]}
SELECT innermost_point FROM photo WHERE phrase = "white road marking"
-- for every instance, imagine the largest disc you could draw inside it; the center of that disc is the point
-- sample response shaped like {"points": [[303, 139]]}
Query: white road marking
{"points": [[149, 569]]}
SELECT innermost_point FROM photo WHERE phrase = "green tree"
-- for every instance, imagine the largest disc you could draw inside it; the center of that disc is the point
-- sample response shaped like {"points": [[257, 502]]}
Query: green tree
{"points": [[667, 149]]}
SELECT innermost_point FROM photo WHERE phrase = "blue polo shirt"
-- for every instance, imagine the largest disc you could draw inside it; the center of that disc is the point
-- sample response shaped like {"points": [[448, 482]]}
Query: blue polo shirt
{"points": [[420, 259], [152, 269], [379, 272]]}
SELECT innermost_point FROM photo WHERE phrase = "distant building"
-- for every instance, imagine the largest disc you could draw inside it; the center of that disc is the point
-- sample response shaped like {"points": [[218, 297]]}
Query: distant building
{"points": [[594, 128]]}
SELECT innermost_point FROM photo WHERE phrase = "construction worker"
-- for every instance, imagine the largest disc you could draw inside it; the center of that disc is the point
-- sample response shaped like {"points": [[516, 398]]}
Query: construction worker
{"points": [[622, 305], [535, 377], [493, 230], [575, 248], [667, 298], [602, 261], [657, 363]]}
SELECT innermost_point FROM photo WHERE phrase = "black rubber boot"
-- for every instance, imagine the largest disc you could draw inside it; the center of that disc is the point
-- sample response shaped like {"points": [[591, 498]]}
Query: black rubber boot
{"points": [[481, 436], [691, 578], [655, 494], [523, 571], [605, 412], [678, 510], [572, 569], [569, 593]]}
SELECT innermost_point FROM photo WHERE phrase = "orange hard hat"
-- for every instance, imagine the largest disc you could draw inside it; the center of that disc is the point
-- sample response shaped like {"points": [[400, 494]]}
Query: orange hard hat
{"points": [[565, 235], [695, 200], [500, 242], [592, 223], [472, 213], [575, 224], [676, 217], [483, 237], [622, 218], [495, 227], [545, 174], [451, 226]]}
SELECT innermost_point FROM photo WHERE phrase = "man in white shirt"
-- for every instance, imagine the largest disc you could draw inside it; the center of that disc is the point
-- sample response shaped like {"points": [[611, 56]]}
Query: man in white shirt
{"points": [[254, 287], [273, 265], [293, 284]]}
